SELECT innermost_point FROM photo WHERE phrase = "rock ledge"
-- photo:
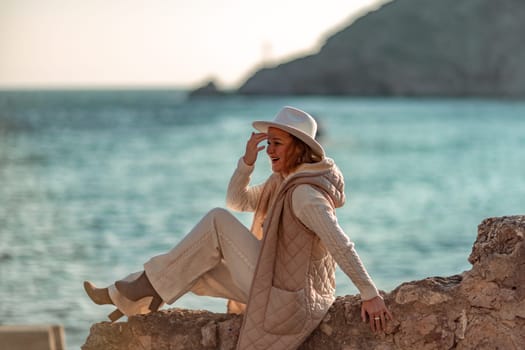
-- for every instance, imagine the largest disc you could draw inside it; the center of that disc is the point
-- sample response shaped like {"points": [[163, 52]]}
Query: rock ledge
{"points": [[483, 308]]}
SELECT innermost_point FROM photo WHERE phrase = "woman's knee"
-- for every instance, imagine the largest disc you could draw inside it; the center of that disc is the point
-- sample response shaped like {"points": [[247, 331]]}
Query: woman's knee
{"points": [[223, 220], [219, 213], [218, 216]]}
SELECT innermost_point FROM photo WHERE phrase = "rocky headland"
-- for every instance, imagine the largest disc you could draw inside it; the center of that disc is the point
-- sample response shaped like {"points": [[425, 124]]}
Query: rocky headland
{"points": [[209, 89], [483, 308], [412, 48]]}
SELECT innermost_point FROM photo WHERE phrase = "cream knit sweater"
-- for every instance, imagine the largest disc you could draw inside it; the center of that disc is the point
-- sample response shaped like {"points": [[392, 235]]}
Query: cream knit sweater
{"points": [[315, 212]]}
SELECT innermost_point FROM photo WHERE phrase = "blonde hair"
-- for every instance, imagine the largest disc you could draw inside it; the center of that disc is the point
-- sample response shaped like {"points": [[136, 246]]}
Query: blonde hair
{"points": [[299, 153]]}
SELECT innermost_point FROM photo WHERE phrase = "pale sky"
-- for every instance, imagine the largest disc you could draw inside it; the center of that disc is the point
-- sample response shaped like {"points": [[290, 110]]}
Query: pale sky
{"points": [[177, 43]]}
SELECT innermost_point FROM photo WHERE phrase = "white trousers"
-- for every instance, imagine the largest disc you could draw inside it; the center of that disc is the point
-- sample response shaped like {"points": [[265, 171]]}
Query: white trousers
{"points": [[217, 258]]}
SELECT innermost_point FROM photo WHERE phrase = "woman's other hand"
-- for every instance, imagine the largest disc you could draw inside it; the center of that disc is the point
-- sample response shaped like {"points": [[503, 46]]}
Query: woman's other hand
{"points": [[253, 148], [377, 312]]}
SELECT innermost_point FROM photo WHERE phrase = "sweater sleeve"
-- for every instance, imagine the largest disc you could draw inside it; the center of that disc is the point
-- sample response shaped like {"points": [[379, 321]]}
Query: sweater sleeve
{"points": [[316, 213], [240, 195]]}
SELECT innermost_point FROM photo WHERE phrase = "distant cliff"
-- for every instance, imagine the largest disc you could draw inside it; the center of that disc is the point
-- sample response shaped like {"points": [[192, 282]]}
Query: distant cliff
{"points": [[413, 48], [483, 308]]}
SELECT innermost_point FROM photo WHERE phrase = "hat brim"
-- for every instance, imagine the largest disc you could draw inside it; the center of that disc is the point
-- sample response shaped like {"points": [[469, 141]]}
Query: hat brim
{"points": [[263, 126]]}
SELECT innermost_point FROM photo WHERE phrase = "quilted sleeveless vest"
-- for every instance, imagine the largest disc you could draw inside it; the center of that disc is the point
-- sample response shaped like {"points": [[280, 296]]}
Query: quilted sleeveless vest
{"points": [[294, 280]]}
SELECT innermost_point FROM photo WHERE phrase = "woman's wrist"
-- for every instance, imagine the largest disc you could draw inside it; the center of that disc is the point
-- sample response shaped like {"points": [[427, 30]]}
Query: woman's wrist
{"points": [[247, 162]]}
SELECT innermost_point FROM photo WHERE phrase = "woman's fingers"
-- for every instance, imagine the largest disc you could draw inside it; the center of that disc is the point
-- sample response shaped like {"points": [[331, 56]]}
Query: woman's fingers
{"points": [[253, 148], [389, 314], [377, 323], [372, 323], [383, 321], [377, 312], [256, 138]]}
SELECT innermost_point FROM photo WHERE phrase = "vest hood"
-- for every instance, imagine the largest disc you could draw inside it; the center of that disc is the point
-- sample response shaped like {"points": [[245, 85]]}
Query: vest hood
{"points": [[332, 179]]}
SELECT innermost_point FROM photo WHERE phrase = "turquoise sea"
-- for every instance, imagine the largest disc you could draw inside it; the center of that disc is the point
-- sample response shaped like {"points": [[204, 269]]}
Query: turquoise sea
{"points": [[93, 183]]}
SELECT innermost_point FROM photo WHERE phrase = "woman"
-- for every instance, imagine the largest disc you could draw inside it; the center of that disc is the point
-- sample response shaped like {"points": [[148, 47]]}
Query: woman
{"points": [[284, 267]]}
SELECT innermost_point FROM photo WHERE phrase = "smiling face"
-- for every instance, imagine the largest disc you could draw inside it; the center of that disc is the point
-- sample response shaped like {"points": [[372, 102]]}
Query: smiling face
{"points": [[279, 149]]}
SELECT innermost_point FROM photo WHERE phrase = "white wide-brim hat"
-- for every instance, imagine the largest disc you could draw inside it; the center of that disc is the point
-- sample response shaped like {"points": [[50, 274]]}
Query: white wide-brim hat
{"points": [[297, 123]]}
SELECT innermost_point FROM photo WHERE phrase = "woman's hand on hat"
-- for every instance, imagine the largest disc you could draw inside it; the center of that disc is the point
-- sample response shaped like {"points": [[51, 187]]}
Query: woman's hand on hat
{"points": [[253, 148], [377, 312]]}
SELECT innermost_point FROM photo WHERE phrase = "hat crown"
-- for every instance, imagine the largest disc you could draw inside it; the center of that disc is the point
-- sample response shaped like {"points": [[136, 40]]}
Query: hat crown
{"points": [[297, 119], [297, 123]]}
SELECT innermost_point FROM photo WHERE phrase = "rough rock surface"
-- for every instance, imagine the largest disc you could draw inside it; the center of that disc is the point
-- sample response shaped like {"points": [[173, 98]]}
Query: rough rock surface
{"points": [[483, 308], [413, 48]]}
